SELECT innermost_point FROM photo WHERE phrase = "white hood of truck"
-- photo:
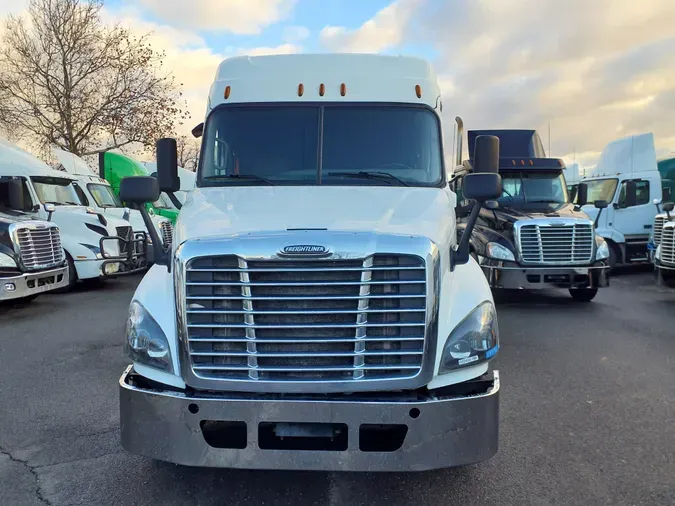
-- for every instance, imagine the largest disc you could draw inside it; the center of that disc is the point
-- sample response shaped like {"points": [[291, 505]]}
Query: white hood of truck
{"points": [[214, 212]]}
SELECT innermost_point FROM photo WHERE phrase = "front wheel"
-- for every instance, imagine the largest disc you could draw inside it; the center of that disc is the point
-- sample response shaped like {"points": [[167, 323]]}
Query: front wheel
{"points": [[584, 294]]}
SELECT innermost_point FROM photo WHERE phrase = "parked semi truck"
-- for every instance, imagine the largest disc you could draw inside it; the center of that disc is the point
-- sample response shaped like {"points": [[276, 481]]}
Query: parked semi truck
{"points": [[32, 260], [533, 237], [316, 309], [97, 193], [627, 178], [664, 257], [92, 242]]}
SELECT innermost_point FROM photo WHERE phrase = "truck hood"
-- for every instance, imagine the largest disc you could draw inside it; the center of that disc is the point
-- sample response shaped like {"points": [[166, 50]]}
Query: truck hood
{"points": [[510, 215], [212, 212]]}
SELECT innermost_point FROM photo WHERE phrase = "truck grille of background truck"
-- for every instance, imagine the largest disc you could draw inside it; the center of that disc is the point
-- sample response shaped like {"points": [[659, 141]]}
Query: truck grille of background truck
{"points": [[39, 248], [668, 246], [126, 234], [659, 221], [310, 321], [167, 232], [571, 243]]}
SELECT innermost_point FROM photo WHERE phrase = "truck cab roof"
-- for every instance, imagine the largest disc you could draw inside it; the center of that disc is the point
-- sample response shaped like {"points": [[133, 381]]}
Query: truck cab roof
{"points": [[512, 143], [14, 161], [320, 78], [629, 157]]}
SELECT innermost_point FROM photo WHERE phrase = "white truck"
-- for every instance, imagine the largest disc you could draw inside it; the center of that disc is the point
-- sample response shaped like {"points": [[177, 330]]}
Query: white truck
{"points": [[627, 178], [316, 310], [664, 257], [50, 195], [32, 260], [96, 192]]}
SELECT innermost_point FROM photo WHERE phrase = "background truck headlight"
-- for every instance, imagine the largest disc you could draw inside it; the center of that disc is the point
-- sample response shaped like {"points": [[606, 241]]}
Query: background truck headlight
{"points": [[145, 340], [498, 252], [657, 255], [7, 261], [602, 249], [474, 340]]}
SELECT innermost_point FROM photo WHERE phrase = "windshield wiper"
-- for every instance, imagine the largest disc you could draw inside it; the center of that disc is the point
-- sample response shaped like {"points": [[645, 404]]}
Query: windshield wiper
{"points": [[385, 176], [544, 201], [55, 203], [249, 177]]}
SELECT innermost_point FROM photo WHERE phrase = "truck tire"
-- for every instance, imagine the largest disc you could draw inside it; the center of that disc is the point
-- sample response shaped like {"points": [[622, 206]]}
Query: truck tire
{"points": [[614, 254], [72, 276], [583, 294]]}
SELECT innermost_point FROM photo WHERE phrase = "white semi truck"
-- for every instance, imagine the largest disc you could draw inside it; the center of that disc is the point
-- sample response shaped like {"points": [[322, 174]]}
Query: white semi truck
{"points": [[315, 309]]}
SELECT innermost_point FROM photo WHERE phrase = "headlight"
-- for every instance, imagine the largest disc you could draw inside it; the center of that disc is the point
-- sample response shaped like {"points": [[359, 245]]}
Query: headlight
{"points": [[474, 340], [657, 255], [7, 261], [146, 342], [498, 252], [602, 249]]}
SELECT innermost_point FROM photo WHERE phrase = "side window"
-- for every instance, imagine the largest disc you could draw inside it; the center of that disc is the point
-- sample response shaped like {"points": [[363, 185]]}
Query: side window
{"points": [[642, 190], [80, 195], [4, 194]]}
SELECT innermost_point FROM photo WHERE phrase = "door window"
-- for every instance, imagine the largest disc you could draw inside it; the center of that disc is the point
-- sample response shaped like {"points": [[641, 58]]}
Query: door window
{"points": [[642, 190]]}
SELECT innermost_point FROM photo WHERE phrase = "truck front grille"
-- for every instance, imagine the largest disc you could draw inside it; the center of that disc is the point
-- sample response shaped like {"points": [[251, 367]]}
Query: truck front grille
{"points": [[659, 221], [167, 232], [668, 246], [307, 321], [560, 244], [39, 246], [125, 234]]}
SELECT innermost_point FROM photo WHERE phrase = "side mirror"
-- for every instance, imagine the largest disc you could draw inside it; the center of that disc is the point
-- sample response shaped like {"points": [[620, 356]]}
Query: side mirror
{"points": [[582, 194], [16, 196], [482, 187], [49, 208], [167, 165], [668, 206], [198, 131], [656, 202], [139, 189], [486, 154], [573, 193], [601, 204], [631, 194]]}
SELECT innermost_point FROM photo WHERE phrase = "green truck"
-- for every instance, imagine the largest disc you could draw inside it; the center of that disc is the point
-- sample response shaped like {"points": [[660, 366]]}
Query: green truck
{"points": [[113, 167], [667, 171]]}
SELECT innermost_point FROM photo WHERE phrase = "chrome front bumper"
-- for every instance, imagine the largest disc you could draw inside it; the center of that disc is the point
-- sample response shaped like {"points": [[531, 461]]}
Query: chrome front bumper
{"points": [[33, 283], [513, 276], [268, 432]]}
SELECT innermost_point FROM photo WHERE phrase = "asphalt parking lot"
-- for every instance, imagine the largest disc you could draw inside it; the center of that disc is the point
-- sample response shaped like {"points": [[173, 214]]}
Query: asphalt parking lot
{"points": [[587, 412]]}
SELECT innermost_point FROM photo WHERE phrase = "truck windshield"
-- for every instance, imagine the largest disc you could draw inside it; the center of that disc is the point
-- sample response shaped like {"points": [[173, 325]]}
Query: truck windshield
{"points": [[334, 144], [601, 189], [103, 195], [55, 190], [533, 190]]}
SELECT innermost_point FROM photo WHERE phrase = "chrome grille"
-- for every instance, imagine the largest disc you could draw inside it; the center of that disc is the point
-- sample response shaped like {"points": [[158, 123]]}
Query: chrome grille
{"points": [[126, 234], [668, 246], [566, 242], [659, 221], [306, 321], [167, 232], [39, 246]]}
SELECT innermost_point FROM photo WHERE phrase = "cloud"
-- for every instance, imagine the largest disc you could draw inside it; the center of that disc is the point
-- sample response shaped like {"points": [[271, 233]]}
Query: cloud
{"points": [[242, 17], [294, 34], [384, 31], [596, 70]]}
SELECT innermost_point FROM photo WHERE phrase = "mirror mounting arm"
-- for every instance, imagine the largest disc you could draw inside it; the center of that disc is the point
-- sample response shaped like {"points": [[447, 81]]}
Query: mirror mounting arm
{"points": [[160, 252], [460, 255], [174, 200]]}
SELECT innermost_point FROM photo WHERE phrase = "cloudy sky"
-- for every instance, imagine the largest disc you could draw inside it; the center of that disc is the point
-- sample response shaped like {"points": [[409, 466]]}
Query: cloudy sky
{"points": [[595, 69]]}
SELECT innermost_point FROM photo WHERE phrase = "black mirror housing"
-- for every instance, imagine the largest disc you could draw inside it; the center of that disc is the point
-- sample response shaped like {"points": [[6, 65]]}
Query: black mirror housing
{"points": [[167, 165], [668, 206], [486, 154], [16, 196], [139, 189], [601, 204], [482, 187], [582, 194]]}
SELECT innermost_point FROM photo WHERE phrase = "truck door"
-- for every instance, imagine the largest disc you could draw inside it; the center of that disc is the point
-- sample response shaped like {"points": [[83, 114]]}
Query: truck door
{"points": [[634, 221]]}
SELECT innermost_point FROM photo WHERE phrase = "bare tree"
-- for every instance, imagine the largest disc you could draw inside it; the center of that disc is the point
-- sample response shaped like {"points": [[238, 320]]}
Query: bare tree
{"points": [[67, 79], [188, 152]]}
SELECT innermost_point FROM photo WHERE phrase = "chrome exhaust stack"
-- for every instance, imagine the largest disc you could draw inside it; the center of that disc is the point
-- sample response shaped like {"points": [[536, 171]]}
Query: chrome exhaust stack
{"points": [[460, 137]]}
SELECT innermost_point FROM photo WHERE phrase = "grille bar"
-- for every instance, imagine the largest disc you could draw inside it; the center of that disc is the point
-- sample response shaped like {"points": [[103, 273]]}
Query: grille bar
{"points": [[39, 246], [659, 221], [556, 242], [306, 320], [668, 246]]}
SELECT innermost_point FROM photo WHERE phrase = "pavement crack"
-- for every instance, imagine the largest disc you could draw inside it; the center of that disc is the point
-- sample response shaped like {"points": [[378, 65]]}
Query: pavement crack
{"points": [[32, 470]]}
